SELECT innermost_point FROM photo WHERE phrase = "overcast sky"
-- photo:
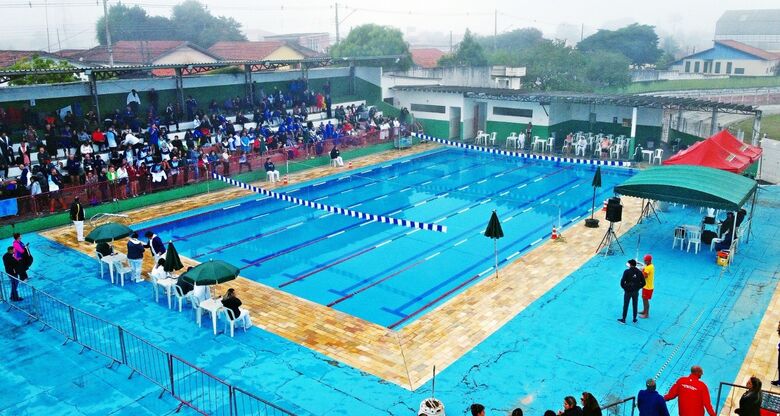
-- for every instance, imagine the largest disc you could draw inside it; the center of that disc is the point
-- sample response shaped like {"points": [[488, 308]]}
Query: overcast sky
{"points": [[71, 23]]}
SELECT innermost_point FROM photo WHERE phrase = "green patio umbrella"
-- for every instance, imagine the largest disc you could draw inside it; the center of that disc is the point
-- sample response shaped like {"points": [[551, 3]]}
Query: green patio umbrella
{"points": [[172, 260], [495, 232], [596, 183], [211, 272], [108, 232]]}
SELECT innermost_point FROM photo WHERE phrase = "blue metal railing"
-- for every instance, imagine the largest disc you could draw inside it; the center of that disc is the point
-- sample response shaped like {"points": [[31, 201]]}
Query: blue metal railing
{"points": [[190, 385], [623, 407]]}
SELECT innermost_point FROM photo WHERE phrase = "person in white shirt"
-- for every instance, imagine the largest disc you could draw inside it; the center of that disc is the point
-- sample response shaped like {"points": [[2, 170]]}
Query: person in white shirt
{"points": [[158, 272], [133, 101]]}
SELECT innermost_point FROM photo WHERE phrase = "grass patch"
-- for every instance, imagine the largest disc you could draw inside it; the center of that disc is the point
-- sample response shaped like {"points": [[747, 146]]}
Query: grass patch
{"points": [[770, 124], [57, 220], [697, 84]]}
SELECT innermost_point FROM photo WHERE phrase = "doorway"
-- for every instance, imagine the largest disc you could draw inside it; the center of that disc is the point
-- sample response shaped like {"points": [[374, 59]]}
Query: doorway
{"points": [[454, 123]]}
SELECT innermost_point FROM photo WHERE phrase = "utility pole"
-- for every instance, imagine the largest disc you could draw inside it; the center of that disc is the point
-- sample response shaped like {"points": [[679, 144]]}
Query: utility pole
{"points": [[495, 28], [337, 24], [46, 17], [582, 31], [450, 41], [59, 44], [108, 35]]}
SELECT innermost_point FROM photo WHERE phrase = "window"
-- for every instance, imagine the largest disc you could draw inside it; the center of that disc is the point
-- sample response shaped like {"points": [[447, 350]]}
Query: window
{"points": [[513, 112], [427, 108], [728, 67], [739, 71], [717, 67], [707, 66], [687, 66], [696, 66]]}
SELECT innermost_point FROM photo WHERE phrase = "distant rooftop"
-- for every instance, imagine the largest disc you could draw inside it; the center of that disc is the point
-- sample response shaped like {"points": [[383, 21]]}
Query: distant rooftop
{"points": [[748, 22], [426, 57]]}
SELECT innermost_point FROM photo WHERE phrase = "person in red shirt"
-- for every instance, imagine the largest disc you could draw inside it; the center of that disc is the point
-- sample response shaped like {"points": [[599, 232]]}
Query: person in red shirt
{"points": [[692, 394]]}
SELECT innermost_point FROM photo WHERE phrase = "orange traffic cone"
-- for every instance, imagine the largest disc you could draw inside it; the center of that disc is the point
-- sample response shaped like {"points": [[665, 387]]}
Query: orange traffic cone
{"points": [[554, 235], [350, 165], [604, 208], [285, 179]]}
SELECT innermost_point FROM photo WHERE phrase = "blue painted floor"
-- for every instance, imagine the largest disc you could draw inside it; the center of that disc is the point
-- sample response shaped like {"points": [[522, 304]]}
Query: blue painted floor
{"points": [[567, 342]]}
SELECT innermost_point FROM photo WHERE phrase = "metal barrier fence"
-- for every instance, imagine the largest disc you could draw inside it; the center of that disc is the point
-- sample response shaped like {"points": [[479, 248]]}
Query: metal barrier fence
{"points": [[190, 385], [732, 402], [108, 192], [619, 408]]}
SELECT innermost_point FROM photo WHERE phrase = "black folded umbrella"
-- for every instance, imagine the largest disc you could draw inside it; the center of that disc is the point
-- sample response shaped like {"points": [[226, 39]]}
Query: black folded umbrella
{"points": [[495, 232], [172, 260]]}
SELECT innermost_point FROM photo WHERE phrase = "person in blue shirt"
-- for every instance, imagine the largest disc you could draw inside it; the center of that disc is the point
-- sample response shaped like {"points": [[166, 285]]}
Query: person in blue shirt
{"points": [[154, 135], [156, 245], [270, 170], [650, 402]]}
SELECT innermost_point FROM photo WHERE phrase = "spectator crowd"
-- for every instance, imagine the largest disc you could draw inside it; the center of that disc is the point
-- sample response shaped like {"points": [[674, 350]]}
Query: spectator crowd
{"points": [[132, 152]]}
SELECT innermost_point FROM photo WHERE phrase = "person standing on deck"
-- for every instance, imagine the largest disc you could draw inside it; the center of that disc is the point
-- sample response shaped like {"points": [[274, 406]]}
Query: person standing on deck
{"points": [[647, 292], [77, 216], [631, 282], [692, 394]]}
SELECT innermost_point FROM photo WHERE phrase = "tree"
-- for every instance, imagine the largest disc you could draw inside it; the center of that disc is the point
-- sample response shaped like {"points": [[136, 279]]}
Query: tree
{"points": [[607, 69], [374, 40], [37, 62], [196, 24], [512, 41], [639, 43], [468, 53], [190, 21], [132, 23], [553, 66]]}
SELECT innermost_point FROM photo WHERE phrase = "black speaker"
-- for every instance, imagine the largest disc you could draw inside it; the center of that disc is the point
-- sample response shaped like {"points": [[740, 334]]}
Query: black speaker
{"points": [[614, 210]]}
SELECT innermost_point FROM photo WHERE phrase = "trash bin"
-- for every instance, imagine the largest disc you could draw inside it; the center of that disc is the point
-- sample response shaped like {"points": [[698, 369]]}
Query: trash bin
{"points": [[723, 258]]}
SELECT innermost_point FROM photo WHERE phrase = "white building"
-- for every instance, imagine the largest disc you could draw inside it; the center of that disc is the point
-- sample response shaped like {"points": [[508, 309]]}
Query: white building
{"points": [[732, 58]]}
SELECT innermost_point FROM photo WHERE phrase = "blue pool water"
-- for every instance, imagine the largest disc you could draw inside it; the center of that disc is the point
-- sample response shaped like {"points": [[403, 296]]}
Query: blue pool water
{"points": [[564, 343], [383, 273]]}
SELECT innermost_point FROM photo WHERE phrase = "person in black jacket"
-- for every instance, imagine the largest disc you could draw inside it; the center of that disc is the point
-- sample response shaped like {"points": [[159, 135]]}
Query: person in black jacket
{"points": [[232, 302], [590, 406], [10, 263], [77, 216], [570, 407], [750, 402], [631, 282]]}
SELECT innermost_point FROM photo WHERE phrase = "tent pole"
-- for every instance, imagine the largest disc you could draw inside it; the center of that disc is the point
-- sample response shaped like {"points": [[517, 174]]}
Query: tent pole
{"points": [[733, 238], [495, 250], [752, 207]]}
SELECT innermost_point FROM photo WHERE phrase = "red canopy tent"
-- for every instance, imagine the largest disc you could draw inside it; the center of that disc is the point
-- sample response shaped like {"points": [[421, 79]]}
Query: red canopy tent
{"points": [[734, 145], [711, 154]]}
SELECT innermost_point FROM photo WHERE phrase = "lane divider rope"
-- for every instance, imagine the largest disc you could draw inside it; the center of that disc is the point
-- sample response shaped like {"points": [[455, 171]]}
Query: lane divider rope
{"points": [[335, 210]]}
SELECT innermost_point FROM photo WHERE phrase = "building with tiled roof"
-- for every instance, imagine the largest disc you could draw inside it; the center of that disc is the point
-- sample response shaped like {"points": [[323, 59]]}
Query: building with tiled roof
{"points": [[144, 52], [260, 50], [426, 57], [319, 42], [10, 57], [732, 58]]}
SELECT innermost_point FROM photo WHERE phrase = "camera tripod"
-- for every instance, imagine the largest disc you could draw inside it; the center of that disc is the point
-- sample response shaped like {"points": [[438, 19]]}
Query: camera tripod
{"points": [[609, 238], [647, 209]]}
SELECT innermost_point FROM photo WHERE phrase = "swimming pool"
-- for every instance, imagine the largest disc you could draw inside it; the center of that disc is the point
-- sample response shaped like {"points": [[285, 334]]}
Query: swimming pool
{"points": [[379, 272]]}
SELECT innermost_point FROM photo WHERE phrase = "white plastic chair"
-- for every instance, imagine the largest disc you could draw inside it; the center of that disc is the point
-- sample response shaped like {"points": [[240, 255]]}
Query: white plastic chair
{"points": [[231, 320], [155, 287], [478, 137], [550, 144], [196, 310], [492, 139], [122, 268], [181, 297], [679, 235], [100, 261], [658, 155], [694, 237]]}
